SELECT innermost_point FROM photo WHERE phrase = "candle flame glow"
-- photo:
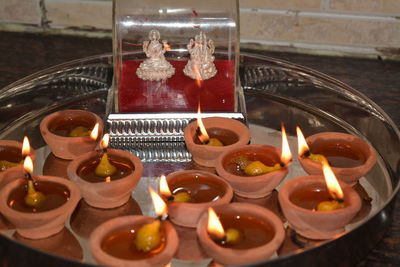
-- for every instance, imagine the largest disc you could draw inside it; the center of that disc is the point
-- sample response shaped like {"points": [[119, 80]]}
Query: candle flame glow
{"points": [[28, 164], [108, 179], [214, 226], [203, 135], [26, 148], [167, 47], [301, 142], [95, 132], [159, 205], [105, 141], [331, 182], [286, 156], [163, 186], [199, 81]]}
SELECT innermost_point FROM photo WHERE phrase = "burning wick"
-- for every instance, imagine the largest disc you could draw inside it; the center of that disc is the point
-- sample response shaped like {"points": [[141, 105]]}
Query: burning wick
{"points": [[202, 134], [286, 156], [26, 148], [28, 167], [104, 142], [33, 198], [182, 196], [217, 232], [201, 129], [95, 132], [149, 236], [304, 150], [105, 168], [334, 189], [159, 205], [204, 139]]}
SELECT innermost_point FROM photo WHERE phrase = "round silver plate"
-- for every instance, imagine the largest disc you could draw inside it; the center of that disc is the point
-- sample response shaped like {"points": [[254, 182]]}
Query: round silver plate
{"points": [[275, 92]]}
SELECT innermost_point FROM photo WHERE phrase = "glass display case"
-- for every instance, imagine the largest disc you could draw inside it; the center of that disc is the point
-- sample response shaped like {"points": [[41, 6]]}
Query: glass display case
{"points": [[171, 56]]}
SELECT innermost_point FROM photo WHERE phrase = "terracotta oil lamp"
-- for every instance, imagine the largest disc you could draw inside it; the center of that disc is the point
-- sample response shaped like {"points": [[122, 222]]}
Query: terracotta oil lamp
{"points": [[12, 154], [106, 177], [135, 240], [67, 132], [207, 138], [243, 233], [318, 208], [189, 193], [38, 206], [254, 171], [350, 156]]}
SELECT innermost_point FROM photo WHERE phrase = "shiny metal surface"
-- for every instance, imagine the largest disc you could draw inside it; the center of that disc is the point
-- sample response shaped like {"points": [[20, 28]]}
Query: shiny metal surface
{"points": [[155, 137], [275, 92]]}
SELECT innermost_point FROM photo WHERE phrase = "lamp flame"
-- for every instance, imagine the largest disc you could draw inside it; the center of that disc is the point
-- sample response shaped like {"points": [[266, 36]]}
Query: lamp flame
{"points": [[159, 205], [95, 132], [26, 148], [214, 226], [105, 141], [164, 188], [28, 164], [286, 156], [202, 135], [108, 179], [199, 80], [331, 182], [167, 47], [301, 143]]}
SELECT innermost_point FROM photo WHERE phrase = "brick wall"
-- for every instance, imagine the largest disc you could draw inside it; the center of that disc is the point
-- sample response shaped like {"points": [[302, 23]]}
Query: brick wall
{"points": [[355, 27]]}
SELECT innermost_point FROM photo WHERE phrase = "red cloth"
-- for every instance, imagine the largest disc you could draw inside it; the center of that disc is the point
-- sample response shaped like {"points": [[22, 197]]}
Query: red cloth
{"points": [[178, 93]]}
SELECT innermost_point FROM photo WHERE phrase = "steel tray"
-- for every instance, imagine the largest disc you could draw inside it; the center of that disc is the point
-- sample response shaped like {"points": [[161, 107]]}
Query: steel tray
{"points": [[275, 92]]}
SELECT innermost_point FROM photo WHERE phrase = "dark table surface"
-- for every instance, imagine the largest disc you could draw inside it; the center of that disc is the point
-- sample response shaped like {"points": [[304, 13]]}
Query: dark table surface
{"points": [[22, 54]]}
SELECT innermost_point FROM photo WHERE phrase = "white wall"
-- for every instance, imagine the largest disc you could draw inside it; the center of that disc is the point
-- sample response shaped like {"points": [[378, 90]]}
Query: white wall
{"points": [[356, 27]]}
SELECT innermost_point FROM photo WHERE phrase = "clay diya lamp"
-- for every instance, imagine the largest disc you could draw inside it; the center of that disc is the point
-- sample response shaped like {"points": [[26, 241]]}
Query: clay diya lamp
{"points": [[189, 193], [243, 233], [40, 205], [254, 171], [106, 177], [135, 240], [67, 132], [318, 208], [12, 154], [207, 138], [350, 156]]}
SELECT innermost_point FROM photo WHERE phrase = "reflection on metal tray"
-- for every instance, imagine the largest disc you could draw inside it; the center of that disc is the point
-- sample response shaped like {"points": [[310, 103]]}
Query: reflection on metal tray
{"points": [[275, 92]]}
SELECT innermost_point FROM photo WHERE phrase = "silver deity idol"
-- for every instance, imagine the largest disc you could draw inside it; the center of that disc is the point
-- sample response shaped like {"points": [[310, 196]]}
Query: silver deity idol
{"points": [[155, 67], [201, 63]]}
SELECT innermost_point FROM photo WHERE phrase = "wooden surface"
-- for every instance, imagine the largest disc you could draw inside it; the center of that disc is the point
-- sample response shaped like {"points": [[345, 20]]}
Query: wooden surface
{"points": [[24, 54]]}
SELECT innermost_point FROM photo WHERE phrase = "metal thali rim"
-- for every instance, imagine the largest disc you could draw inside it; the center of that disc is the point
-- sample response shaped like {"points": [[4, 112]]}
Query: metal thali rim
{"points": [[282, 260]]}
